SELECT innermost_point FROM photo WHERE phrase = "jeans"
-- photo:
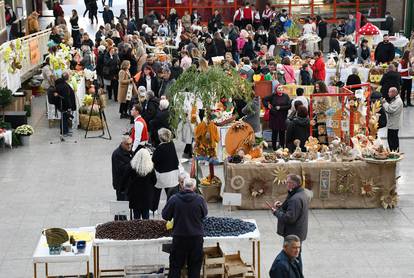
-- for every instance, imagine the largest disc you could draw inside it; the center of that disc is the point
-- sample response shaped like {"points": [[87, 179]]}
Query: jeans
{"points": [[64, 125], [275, 134], [188, 249], [139, 213], [393, 140]]}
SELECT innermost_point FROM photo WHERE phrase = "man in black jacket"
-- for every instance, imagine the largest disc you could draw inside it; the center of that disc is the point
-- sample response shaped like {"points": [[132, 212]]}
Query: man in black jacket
{"points": [[108, 15], [390, 79], [385, 51], [188, 210], [66, 103], [286, 264], [121, 158], [292, 214]]}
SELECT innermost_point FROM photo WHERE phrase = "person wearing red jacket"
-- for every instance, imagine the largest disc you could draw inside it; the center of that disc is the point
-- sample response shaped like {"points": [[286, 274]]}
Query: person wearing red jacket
{"points": [[318, 67], [247, 15]]}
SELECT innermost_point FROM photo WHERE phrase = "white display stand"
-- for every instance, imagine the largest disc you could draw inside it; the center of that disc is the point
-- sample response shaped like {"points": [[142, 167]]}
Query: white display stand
{"points": [[253, 237], [41, 253]]}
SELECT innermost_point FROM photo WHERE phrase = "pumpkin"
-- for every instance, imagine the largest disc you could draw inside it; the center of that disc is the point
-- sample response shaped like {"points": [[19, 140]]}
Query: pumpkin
{"points": [[256, 152]]}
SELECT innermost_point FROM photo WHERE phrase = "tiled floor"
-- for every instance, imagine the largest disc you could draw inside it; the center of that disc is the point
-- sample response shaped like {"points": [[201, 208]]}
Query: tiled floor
{"points": [[69, 185]]}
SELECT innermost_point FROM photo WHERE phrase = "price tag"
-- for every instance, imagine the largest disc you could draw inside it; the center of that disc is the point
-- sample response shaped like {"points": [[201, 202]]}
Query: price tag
{"points": [[232, 199]]}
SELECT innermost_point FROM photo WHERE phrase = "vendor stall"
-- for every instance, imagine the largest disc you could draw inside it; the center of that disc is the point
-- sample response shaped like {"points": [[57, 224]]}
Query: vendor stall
{"points": [[253, 237], [357, 184]]}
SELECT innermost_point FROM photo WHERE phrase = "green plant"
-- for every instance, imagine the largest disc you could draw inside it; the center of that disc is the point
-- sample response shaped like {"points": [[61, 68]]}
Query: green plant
{"points": [[5, 98], [24, 130], [294, 30], [208, 87]]}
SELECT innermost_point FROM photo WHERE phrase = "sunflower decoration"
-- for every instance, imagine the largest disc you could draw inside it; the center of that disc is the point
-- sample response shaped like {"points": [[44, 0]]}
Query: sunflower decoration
{"points": [[257, 187], [368, 188], [280, 175], [390, 200]]}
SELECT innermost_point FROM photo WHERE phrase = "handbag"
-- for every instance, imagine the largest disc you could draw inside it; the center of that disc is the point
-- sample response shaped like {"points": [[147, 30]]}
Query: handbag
{"points": [[129, 92], [266, 116]]}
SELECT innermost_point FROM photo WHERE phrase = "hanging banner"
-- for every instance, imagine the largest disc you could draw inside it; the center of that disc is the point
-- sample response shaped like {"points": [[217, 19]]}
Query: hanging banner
{"points": [[34, 51]]}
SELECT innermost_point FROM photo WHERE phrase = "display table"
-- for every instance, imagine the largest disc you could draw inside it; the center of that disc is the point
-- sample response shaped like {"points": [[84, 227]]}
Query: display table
{"points": [[340, 187], [41, 253], [253, 237]]}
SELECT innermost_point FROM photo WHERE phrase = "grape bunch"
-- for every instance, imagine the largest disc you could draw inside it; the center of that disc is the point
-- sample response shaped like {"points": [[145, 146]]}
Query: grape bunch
{"points": [[134, 229], [224, 226]]}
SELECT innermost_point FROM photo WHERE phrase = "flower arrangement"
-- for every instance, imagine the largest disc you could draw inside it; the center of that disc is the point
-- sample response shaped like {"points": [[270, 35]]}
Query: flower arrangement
{"points": [[13, 56], [24, 130], [90, 74]]}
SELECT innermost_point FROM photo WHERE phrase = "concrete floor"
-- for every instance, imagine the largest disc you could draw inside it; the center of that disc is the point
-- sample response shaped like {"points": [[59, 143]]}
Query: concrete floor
{"points": [[70, 185]]}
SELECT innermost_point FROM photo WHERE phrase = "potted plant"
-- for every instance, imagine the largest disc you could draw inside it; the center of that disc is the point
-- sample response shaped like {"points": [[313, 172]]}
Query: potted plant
{"points": [[24, 132], [208, 87], [5, 98], [294, 31]]}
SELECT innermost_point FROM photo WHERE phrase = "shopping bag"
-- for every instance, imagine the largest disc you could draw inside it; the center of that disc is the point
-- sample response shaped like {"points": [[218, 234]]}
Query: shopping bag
{"points": [[266, 116]]}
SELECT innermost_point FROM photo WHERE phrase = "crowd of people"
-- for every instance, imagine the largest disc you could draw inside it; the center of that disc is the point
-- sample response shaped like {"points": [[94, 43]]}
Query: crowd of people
{"points": [[146, 162]]}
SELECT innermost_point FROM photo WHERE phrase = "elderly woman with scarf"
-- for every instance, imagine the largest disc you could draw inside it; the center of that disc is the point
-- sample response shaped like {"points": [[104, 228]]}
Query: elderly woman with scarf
{"points": [[279, 104], [141, 183]]}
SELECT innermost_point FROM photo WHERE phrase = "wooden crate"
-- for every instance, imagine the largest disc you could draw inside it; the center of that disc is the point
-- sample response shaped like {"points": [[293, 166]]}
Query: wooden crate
{"points": [[236, 267], [213, 262]]}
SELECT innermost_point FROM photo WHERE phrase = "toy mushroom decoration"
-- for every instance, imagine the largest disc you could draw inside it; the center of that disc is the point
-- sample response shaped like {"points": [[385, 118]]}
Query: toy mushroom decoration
{"points": [[368, 31]]}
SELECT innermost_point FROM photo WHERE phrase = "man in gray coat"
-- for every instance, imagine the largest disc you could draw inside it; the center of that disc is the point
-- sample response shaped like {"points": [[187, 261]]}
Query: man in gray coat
{"points": [[292, 214], [393, 109]]}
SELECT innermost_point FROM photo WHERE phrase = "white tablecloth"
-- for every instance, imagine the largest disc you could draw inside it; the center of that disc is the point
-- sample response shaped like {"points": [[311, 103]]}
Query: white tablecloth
{"points": [[41, 254], [345, 72], [255, 235]]}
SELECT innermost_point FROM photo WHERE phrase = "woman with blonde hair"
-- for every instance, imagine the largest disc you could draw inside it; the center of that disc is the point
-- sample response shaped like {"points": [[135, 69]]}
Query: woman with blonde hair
{"points": [[203, 65], [141, 182], [172, 19], [126, 88]]}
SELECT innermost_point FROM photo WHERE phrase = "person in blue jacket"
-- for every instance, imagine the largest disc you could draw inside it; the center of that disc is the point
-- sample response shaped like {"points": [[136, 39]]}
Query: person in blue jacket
{"points": [[286, 264]]}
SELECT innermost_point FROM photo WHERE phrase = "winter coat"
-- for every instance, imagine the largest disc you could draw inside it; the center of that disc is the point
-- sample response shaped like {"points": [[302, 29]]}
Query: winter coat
{"points": [[161, 120], [289, 74], [111, 66], [165, 87], [186, 132], [32, 25], [384, 52], [220, 47], [318, 68], [140, 189], [388, 80], [283, 267], [120, 166], [278, 117], [149, 109], [364, 56], [108, 16], [188, 209], [166, 165], [334, 45], [298, 128], [100, 63], [252, 112], [124, 80], [248, 50], [292, 216], [67, 95], [394, 110], [154, 84], [305, 77]]}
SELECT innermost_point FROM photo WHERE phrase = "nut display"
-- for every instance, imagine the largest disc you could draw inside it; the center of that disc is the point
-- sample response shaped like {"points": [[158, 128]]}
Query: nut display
{"points": [[224, 226], [134, 229]]}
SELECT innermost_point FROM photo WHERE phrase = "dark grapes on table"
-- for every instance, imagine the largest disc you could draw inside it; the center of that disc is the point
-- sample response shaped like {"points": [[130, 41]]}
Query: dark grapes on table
{"points": [[224, 226], [134, 229]]}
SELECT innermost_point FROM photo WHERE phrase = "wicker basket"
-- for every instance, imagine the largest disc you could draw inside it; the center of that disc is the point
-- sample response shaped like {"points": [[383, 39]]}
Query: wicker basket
{"points": [[211, 193], [95, 124]]}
